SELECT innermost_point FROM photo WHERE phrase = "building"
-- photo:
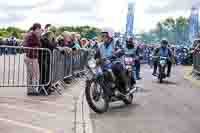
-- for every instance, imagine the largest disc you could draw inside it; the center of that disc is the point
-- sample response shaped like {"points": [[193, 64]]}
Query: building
{"points": [[194, 23], [130, 19]]}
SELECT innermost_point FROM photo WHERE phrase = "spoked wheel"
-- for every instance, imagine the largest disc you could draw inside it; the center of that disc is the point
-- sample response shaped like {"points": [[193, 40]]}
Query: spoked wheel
{"points": [[129, 99], [96, 98]]}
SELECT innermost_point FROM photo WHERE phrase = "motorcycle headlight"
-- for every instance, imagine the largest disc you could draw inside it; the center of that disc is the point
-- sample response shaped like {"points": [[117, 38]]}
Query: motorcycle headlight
{"points": [[162, 62], [92, 63]]}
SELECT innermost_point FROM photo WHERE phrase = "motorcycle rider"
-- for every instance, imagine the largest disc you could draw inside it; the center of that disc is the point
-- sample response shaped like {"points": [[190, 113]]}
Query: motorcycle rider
{"points": [[106, 50], [163, 51], [131, 50]]}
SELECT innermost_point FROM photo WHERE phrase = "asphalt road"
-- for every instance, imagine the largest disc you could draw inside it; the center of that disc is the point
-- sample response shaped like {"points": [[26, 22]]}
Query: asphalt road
{"points": [[172, 107], [37, 114]]}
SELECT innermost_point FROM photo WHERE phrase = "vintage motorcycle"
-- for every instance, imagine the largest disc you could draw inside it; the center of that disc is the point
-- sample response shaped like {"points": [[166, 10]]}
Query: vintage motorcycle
{"points": [[102, 86]]}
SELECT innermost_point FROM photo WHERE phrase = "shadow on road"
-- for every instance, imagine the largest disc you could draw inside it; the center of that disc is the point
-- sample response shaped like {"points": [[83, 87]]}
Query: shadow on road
{"points": [[142, 90], [116, 109], [169, 82], [122, 107]]}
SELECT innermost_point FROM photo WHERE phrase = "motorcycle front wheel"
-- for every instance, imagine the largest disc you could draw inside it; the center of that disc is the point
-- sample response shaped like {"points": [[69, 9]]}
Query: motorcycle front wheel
{"points": [[161, 74], [94, 95], [129, 99]]}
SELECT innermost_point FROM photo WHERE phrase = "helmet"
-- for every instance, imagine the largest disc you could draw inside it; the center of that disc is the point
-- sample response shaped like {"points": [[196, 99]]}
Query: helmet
{"points": [[110, 31], [164, 41]]}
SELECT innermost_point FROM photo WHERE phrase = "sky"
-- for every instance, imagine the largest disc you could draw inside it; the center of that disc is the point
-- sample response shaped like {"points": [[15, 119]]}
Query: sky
{"points": [[99, 13]]}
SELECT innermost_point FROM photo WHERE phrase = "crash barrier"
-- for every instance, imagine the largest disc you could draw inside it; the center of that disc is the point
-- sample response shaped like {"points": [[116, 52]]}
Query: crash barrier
{"points": [[23, 68], [79, 60], [38, 67], [196, 63]]}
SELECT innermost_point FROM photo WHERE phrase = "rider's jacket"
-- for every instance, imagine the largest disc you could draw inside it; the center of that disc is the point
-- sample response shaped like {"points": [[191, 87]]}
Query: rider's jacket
{"points": [[165, 52], [106, 50], [131, 51]]}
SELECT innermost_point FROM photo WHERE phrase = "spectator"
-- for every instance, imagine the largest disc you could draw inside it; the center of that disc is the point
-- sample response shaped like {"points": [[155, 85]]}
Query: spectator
{"points": [[32, 40], [94, 44], [47, 42], [46, 28], [60, 40], [138, 62], [75, 42], [78, 37], [11, 41], [2, 50], [84, 43], [67, 39]]}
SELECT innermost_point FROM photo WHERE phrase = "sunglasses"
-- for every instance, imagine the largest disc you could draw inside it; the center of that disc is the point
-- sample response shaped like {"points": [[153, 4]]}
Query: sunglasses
{"points": [[104, 35]]}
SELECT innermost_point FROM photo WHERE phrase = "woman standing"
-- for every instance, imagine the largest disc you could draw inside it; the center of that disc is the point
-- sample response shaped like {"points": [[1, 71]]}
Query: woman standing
{"points": [[32, 40]]}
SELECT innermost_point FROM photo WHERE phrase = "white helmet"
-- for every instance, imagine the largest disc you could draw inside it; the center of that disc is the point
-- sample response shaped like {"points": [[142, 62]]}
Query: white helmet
{"points": [[108, 30]]}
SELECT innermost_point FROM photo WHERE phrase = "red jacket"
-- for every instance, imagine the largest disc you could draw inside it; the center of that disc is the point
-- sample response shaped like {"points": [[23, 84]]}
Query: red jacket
{"points": [[32, 41]]}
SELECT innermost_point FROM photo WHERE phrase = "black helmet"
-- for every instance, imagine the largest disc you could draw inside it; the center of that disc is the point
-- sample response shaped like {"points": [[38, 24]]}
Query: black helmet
{"points": [[164, 42]]}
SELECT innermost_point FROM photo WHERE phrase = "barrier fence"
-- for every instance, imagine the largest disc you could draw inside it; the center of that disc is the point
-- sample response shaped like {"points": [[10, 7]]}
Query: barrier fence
{"points": [[22, 66], [196, 63], [35, 67]]}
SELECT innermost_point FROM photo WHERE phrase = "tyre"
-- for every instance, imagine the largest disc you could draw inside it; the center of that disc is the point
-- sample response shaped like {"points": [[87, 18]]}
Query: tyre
{"points": [[160, 77], [89, 91]]}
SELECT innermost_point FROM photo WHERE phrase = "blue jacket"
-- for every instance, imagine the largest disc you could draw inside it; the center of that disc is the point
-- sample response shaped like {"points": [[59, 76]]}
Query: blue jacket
{"points": [[106, 52]]}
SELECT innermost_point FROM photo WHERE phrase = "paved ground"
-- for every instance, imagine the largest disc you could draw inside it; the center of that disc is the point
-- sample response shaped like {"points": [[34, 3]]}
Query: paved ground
{"points": [[54, 114], [172, 107]]}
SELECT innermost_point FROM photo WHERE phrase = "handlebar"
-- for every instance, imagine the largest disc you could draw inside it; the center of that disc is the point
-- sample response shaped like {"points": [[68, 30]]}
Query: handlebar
{"points": [[161, 57]]}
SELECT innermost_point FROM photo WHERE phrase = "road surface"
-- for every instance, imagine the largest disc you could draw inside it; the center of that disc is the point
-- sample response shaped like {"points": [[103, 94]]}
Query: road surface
{"points": [[53, 114], [172, 107]]}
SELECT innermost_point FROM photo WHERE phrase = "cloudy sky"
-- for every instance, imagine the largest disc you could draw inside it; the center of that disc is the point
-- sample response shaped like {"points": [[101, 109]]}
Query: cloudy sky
{"points": [[100, 13]]}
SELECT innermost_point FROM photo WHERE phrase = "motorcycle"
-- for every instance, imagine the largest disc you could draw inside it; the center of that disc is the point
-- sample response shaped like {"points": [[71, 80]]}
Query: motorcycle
{"points": [[162, 67], [102, 87], [129, 63]]}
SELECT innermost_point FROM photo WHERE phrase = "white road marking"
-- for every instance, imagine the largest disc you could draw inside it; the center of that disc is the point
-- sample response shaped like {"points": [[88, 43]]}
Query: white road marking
{"points": [[34, 100], [39, 129], [28, 110]]}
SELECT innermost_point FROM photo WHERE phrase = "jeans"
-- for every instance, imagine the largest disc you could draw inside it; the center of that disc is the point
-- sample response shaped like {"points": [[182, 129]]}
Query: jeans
{"points": [[137, 72], [33, 74]]}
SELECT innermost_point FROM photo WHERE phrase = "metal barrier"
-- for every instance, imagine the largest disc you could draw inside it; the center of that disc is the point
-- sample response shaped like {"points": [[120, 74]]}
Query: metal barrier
{"points": [[62, 65], [196, 63], [79, 58], [39, 67], [23, 68]]}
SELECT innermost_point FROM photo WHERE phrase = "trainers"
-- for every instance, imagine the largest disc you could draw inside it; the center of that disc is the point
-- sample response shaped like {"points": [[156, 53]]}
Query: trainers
{"points": [[154, 74], [168, 75]]}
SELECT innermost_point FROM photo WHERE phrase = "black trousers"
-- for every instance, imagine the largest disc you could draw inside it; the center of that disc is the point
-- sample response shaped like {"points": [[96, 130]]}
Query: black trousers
{"points": [[44, 64]]}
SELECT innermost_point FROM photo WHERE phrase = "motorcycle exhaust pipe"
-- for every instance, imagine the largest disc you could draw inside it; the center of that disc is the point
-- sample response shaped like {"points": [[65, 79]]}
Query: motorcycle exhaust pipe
{"points": [[134, 90], [119, 94]]}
